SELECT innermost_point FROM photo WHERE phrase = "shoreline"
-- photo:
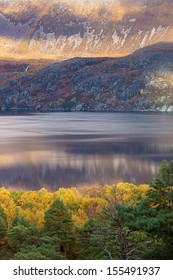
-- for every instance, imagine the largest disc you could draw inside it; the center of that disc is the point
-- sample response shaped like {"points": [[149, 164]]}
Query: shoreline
{"points": [[81, 111]]}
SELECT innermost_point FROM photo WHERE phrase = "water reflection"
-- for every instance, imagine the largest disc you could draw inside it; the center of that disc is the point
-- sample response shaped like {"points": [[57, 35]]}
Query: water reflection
{"points": [[71, 149]]}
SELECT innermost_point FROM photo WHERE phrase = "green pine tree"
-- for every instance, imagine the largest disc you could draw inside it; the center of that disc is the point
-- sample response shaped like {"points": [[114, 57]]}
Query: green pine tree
{"points": [[58, 223], [155, 214], [86, 247], [117, 239], [3, 228]]}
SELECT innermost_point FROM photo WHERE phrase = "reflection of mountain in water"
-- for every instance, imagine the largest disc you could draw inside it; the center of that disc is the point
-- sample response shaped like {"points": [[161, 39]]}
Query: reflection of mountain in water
{"points": [[72, 163], [69, 149]]}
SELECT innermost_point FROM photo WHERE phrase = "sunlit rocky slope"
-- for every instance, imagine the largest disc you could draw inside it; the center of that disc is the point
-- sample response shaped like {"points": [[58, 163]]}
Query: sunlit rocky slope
{"points": [[61, 29]]}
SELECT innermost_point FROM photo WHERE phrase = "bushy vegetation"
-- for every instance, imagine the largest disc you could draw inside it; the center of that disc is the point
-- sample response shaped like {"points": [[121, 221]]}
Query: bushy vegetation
{"points": [[120, 221]]}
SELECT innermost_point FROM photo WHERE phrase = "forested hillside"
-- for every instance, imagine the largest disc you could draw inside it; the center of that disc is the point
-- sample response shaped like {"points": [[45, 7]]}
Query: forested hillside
{"points": [[142, 81], [120, 221]]}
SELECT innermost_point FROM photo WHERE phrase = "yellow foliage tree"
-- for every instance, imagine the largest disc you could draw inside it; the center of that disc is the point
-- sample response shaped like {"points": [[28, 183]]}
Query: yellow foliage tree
{"points": [[70, 197], [83, 204], [33, 204], [8, 205]]}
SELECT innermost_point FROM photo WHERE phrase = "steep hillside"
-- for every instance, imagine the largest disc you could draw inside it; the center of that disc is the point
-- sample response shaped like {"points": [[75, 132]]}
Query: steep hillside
{"points": [[141, 81], [62, 29]]}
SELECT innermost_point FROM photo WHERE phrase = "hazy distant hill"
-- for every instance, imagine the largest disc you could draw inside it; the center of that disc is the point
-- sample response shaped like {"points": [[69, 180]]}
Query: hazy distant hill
{"points": [[141, 81], [68, 28]]}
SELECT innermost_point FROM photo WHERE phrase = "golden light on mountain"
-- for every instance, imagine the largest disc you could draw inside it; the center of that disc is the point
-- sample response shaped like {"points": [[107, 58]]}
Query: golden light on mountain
{"points": [[62, 29]]}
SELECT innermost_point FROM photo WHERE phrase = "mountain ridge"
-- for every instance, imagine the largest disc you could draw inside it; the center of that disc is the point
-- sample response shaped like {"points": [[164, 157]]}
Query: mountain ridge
{"points": [[142, 81]]}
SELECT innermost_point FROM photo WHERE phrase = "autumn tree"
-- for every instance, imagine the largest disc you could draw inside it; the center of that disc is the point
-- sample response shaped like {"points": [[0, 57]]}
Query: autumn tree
{"points": [[33, 204], [8, 205]]}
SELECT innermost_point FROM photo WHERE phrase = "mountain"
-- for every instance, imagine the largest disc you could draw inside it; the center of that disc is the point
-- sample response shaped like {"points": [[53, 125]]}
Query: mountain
{"points": [[62, 29], [140, 81], [86, 55]]}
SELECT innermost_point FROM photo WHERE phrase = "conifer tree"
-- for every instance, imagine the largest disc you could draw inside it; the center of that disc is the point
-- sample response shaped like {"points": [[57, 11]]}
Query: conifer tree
{"points": [[118, 240], [3, 228], [58, 223], [155, 214], [2, 214], [87, 248], [3, 225]]}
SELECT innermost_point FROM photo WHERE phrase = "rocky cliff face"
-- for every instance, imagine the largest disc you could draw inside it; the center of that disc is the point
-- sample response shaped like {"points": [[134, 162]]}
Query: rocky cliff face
{"points": [[62, 29], [141, 81]]}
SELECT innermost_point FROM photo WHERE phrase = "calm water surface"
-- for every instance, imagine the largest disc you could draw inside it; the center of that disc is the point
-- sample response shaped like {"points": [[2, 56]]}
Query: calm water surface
{"points": [[55, 150]]}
